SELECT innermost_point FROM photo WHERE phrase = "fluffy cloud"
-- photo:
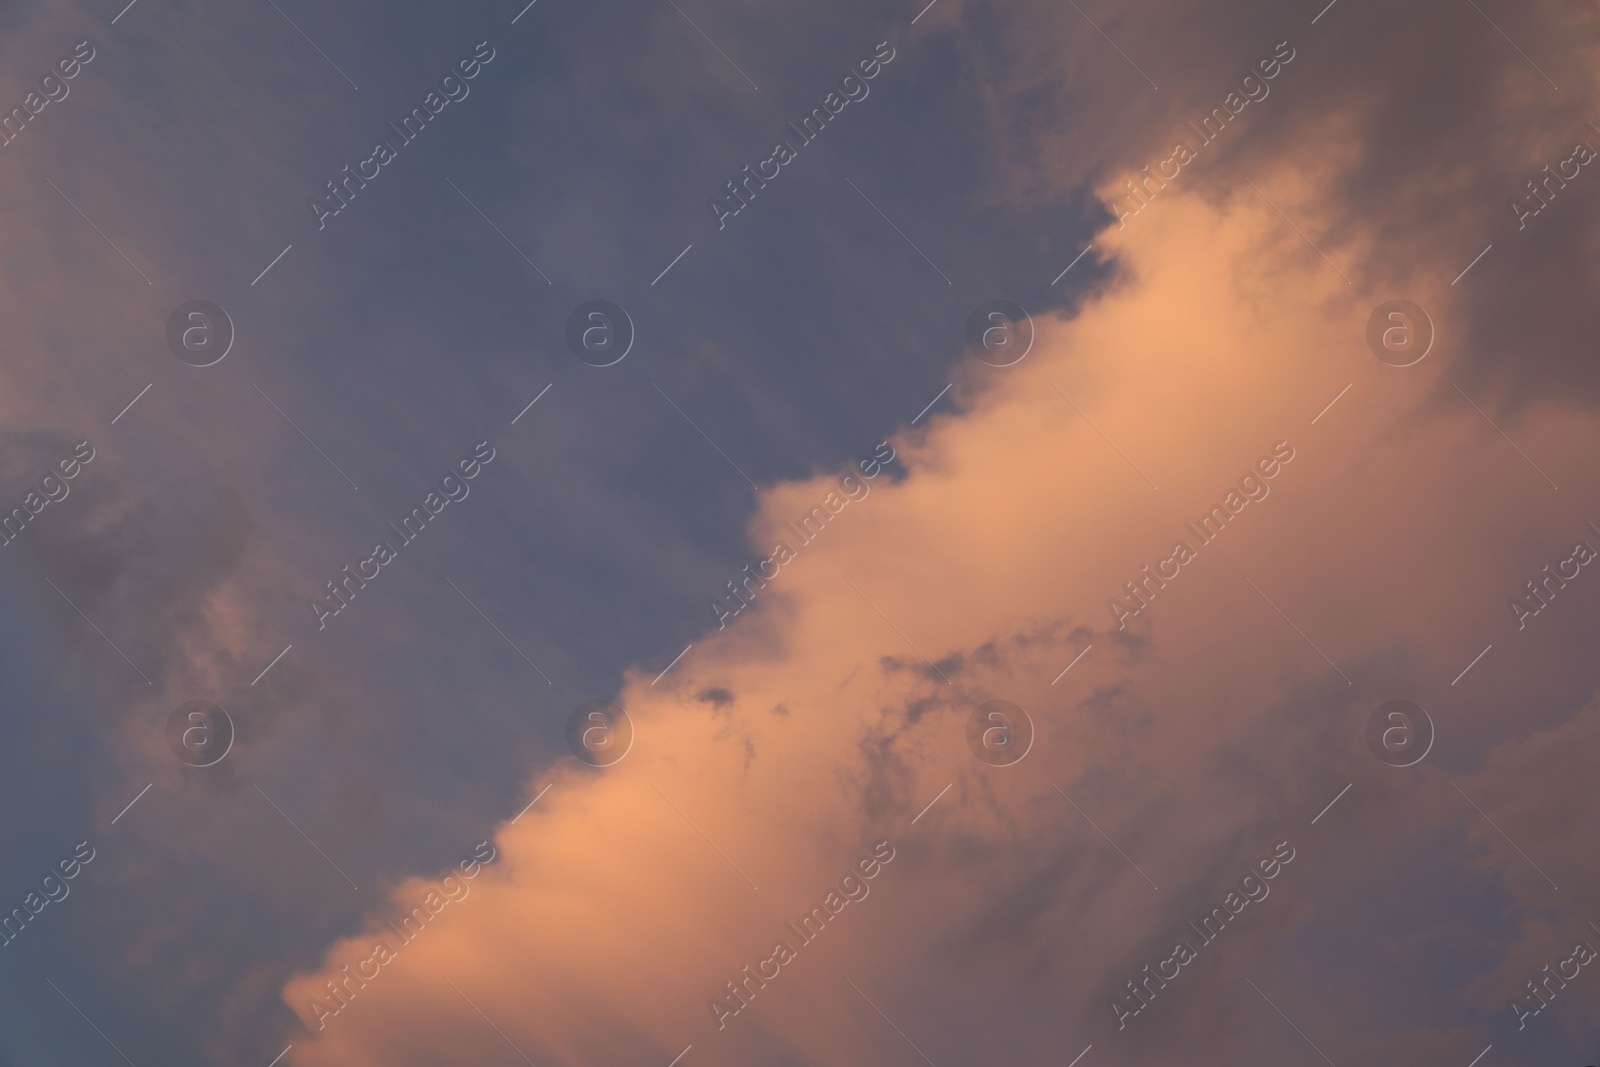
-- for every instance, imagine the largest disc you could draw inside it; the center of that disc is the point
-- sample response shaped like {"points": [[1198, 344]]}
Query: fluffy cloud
{"points": [[1197, 739]]}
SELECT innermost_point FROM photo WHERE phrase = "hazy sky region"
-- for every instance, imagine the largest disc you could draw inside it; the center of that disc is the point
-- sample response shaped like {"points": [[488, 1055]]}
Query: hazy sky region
{"points": [[679, 533]]}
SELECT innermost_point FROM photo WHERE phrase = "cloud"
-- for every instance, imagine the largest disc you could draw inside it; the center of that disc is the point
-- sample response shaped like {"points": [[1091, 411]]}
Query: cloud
{"points": [[1421, 130], [1199, 739]]}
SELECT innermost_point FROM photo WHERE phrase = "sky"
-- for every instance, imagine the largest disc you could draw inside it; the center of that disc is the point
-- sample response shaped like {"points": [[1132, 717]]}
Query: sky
{"points": [[1089, 564]]}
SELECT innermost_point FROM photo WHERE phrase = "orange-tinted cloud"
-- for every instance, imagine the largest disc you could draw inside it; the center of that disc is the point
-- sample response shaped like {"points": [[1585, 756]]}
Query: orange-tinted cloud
{"points": [[1208, 731]]}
